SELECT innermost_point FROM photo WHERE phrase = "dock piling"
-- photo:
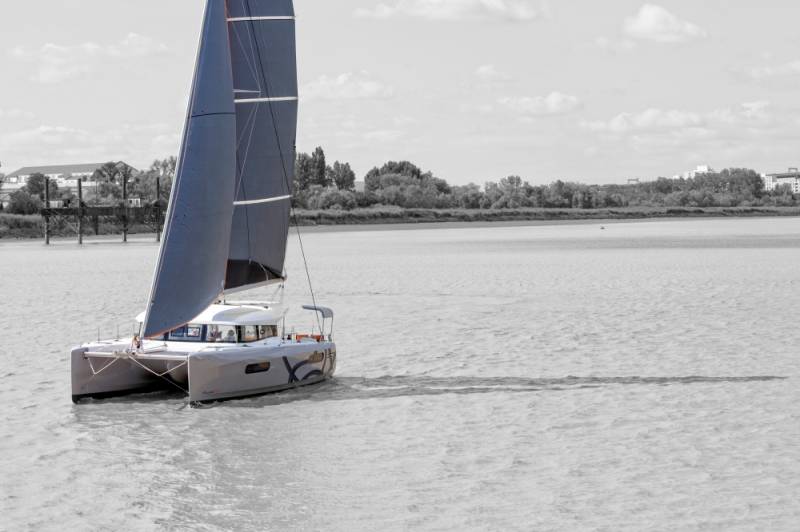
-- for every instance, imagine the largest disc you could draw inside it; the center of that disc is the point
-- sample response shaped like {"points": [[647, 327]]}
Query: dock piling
{"points": [[124, 209], [80, 212], [46, 206], [158, 209]]}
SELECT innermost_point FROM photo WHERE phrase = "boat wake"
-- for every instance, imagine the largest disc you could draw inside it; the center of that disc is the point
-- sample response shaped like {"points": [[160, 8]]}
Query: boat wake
{"points": [[355, 388]]}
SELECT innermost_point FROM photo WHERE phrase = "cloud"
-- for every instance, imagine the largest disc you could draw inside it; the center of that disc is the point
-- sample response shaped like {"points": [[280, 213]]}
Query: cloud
{"points": [[749, 113], [654, 23], [769, 72], [613, 45], [654, 120], [648, 120], [554, 103], [349, 128], [16, 114], [514, 10], [60, 144], [57, 63], [347, 86], [732, 131], [490, 73], [383, 135], [44, 136]]}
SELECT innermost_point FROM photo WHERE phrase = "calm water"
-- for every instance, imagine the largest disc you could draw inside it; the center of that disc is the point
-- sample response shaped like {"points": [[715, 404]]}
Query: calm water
{"points": [[640, 377]]}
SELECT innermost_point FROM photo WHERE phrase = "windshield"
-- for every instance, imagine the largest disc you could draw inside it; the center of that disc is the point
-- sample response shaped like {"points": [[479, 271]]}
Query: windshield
{"points": [[225, 334], [187, 333]]}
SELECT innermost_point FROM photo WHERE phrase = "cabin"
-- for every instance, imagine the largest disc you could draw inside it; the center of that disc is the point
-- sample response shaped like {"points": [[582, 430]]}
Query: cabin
{"points": [[228, 324]]}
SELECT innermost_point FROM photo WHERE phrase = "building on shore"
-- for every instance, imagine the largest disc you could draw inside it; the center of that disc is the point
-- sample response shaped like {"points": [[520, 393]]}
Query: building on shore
{"points": [[790, 177], [65, 176]]}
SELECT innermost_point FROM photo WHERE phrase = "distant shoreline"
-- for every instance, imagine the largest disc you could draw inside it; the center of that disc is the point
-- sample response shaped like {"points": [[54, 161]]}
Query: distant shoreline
{"points": [[394, 215], [17, 227]]}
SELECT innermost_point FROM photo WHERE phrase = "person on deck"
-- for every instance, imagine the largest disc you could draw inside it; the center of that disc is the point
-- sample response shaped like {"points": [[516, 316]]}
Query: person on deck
{"points": [[230, 337]]}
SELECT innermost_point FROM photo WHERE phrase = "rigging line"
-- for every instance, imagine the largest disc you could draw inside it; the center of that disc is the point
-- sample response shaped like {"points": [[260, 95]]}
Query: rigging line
{"points": [[251, 66], [250, 118], [283, 167], [240, 186], [250, 127]]}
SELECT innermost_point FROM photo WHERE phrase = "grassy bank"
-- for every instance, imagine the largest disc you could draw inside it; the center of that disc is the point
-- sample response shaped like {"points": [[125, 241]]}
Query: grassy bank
{"points": [[14, 226], [392, 215], [17, 226]]}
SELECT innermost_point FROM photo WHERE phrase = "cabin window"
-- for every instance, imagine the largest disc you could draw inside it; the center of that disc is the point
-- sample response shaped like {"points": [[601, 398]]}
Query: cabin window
{"points": [[250, 333], [187, 333], [254, 333], [225, 334], [267, 331]]}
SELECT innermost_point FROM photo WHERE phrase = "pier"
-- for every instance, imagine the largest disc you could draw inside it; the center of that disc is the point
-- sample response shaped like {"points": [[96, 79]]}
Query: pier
{"points": [[122, 214]]}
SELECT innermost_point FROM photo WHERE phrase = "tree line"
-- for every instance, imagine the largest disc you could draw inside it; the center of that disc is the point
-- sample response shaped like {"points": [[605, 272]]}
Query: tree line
{"points": [[320, 186], [404, 184]]}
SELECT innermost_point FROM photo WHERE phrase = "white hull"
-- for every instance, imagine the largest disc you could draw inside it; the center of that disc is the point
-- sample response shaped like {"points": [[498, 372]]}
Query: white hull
{"points": [[208, 373]]}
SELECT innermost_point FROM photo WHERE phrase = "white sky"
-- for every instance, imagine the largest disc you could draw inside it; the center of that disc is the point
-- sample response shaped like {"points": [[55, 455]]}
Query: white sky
{"points": [[473, 90]]}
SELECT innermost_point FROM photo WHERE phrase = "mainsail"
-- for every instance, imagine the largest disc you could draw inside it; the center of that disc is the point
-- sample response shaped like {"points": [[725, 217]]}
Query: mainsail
{"points": [[228, 217], [262, 37]]}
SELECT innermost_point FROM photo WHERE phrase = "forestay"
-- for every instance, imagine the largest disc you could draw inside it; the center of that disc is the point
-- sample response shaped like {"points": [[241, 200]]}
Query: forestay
{"points": [[262, 41]]}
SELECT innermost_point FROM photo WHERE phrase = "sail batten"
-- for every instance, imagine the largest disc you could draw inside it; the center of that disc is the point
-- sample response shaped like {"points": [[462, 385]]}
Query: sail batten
{"points": [[263, 200], [247, 19], [272, 99]]}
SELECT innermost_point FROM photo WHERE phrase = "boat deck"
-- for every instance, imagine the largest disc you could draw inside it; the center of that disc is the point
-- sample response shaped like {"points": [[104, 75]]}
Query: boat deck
{"points": [[122, 350]]}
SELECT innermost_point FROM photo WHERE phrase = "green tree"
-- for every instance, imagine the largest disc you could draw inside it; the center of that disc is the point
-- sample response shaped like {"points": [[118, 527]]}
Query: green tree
{"points": [[329, 198], [405, 168], [35, 186], [512, 193], [166, 168], [341, 175], [467, 196], [110, 178], [22, 202], [144, 184], [319, 169], [302, 172]]}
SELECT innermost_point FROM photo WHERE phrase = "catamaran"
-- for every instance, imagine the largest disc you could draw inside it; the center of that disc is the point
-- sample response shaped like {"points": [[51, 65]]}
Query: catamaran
{"points": [[226, 231]]}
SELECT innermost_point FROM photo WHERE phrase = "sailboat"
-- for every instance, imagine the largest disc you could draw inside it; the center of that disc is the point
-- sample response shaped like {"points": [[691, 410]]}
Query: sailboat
{"points": [[226, 231]]}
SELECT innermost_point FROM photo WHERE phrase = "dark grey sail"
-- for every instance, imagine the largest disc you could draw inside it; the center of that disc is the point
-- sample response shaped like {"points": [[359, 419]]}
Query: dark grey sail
{"points": [[262, 39], [191, 266]]}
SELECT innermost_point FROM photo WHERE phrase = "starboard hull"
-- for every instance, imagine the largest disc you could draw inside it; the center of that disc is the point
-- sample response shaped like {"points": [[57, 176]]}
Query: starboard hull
{"points": [[207, 375]]}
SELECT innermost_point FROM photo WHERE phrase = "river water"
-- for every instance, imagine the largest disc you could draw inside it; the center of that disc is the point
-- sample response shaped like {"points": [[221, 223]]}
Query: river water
{"points": [[640, 376]]}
